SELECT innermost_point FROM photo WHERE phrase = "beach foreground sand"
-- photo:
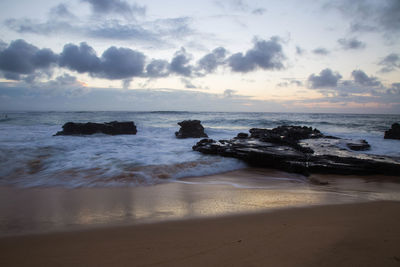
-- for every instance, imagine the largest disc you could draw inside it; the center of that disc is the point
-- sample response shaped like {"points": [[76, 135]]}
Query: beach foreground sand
{"points": [[365, 234]]}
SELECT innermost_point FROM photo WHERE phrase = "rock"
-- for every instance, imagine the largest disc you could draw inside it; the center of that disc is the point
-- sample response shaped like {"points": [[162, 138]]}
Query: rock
{"points": [[360, 145], [111, 128], [394, 132], [280, 148], [286, 135], [242, 136], [190, 129]]}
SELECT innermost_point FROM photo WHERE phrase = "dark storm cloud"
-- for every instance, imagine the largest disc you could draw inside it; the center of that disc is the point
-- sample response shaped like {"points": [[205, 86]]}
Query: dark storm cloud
{"points": [[326, 79], [352, 43], [362, 78], [115, 63], [267, 55], [157, 68], [390, 62], [321, 51], [180, 63], [80, 58], [212, 60], [116, 6], [23, 58], [120, 63], [23, 61], [11, 76]]}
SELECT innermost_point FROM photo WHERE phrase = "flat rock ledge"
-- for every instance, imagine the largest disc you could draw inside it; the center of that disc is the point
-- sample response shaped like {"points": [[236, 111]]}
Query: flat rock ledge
{"points": [[190, 129], [301, 150], [110, 128]]}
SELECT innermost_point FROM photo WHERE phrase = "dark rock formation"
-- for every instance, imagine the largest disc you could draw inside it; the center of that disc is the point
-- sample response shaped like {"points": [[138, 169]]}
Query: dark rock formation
{"points": [[111, 128], [360, 145], [301, 150], [394, 132], [190, 129], [242, 135]]}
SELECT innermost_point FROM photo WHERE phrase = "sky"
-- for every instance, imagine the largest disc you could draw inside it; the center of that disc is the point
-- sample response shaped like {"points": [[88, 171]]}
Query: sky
{"points": [[211, 55]]}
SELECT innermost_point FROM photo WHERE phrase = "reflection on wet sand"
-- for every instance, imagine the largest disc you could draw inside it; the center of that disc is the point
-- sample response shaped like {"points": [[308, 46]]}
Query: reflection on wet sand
{"points": [[36, 210]]}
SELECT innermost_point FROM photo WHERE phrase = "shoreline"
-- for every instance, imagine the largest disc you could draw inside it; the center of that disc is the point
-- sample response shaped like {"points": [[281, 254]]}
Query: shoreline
{"points": [[357, 234], [25, 211]]}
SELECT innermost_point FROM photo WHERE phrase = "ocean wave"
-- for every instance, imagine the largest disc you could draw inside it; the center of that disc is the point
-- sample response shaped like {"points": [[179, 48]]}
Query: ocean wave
{"points": [[31, 156], [36, 173]]}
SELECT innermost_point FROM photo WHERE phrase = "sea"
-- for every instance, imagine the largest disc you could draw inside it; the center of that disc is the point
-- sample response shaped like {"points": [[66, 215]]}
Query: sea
{"points": [[30, 156]]}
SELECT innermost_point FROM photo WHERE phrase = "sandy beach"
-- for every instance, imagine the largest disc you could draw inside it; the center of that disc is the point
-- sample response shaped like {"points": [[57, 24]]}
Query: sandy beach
{"points": [[336, 235], [250, 217]]}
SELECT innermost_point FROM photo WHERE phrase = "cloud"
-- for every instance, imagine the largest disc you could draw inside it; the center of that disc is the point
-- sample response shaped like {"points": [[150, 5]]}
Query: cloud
{"points": [[121, 63], [178, 27], [61, 21], [180, 63], [61, 11], [116, 7], [115, 63], [237, 5], [113, 29], [188, 84], [211, 61], [390, 63], [80, 58], [240, 6], [157, 68], [229, 93], [259, 11], [290, 82], [15, 96], [326, 79], [42, 28], [23, 58], [352, 43], [321, 51], [380, 16], [126, 83], [361, 78], [266, 55], [64, 81]]}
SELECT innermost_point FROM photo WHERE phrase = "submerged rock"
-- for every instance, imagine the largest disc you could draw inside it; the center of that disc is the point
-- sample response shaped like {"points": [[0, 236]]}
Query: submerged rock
{"points": [[111, 128], [394, 132], [190, 129], [302, 150], [360, 145]]}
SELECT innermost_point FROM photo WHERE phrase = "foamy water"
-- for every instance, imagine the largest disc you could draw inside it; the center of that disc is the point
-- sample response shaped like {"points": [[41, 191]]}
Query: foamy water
{"points": [[31, 156]]}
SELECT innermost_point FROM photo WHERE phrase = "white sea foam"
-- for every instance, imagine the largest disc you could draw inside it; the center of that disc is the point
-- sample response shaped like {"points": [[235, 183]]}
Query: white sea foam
{"points": [[31, 156]]}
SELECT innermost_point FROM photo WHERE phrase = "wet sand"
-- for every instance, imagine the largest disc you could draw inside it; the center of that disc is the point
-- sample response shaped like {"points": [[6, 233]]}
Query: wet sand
{"points": [[250, 217], [40, 210], [365, 234]]}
